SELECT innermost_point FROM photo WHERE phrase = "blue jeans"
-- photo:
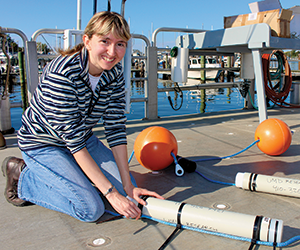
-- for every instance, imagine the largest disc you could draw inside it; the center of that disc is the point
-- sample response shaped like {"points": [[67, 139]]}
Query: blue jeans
{"points": [[54, 180]]}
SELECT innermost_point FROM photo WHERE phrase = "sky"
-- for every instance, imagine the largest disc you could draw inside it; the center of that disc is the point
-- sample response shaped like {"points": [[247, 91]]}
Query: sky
{"points": [[144, 16]]}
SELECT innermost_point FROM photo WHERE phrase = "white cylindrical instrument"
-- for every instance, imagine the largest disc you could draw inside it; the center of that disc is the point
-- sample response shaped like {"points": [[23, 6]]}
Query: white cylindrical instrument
{"points": [[268, 184], [216, 220]]}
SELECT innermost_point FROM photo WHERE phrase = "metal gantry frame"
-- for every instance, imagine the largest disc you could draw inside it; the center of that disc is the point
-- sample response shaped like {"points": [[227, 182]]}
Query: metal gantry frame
{"points": [[251, 41]]}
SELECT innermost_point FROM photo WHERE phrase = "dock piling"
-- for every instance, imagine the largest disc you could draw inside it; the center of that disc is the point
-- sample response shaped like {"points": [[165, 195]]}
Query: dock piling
{"points": [[22, 80]]}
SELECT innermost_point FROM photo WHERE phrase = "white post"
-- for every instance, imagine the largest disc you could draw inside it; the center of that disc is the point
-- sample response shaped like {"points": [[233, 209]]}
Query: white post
{"points": [[5, 118], [127, 74], [79, 14], [260, 87], [67, 39]]}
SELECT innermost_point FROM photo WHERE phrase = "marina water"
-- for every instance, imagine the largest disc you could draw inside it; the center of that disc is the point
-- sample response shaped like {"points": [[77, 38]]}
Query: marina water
{"points": [[216, 100], [220, 99]]}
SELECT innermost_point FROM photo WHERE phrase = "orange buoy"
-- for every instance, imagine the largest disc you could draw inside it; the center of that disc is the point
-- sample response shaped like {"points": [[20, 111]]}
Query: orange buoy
{"points": [[153, 147], [274, 136]]}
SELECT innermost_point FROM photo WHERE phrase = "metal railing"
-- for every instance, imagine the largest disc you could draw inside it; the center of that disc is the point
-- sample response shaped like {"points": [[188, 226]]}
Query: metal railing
{"points": [[25, 41], [151, 64], [167, 29]]}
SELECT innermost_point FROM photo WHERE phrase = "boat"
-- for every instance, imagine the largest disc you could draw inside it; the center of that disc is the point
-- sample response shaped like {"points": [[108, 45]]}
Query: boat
{"points": [[13, 61], [3, 62], [210, 62]]}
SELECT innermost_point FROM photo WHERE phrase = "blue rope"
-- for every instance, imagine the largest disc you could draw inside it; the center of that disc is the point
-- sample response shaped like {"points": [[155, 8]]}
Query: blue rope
{"points": [[130, 158], [227, 157], [289, 242], [175, 159], [112, 213], [219, 182], [265, 243]]}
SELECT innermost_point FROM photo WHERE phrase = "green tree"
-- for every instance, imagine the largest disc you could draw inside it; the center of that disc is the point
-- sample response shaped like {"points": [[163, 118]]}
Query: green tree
{"points": [[12, 46], [42, 48], [292, 54]]}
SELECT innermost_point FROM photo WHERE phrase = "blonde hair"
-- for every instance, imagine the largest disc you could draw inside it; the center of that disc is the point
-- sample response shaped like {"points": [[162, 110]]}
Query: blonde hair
{"points": [[101, 24]]}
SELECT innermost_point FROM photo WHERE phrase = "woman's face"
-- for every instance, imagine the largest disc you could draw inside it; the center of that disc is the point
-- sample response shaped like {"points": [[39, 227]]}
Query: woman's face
{"points": [[104, 52]]}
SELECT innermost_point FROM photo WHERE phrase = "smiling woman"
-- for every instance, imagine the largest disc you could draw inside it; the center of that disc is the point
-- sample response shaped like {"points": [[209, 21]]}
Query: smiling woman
{"points": [[105, 38], [104, 52], [105, 41], [63, 160]]}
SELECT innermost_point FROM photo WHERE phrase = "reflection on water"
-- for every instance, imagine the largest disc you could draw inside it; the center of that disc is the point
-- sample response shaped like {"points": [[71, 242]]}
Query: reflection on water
{"points": [[193, 101], [210, 100]]}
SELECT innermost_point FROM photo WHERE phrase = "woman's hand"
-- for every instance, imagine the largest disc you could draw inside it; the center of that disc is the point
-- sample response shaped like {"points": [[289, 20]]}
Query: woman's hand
{"points": [[125, 206], [136, 193]]}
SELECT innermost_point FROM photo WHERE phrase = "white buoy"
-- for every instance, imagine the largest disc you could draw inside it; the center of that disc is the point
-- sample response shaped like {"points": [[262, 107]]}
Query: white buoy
{"points": [[268, 184], [179, 65], [216, 220]]}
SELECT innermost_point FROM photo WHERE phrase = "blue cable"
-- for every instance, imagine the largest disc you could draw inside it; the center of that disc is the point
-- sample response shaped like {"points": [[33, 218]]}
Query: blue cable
{"points": [[174, 157], [130, 158], [112, 213], [227, 157], [289, 242], [266, 243], [219, 182]]}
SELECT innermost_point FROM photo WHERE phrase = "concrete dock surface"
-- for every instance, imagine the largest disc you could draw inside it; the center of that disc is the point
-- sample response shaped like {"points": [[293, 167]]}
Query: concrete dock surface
{"points": [[200, 136]]}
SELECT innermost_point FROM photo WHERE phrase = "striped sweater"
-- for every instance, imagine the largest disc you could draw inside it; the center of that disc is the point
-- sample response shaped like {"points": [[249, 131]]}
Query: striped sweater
{"points": [[64, 109]]}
